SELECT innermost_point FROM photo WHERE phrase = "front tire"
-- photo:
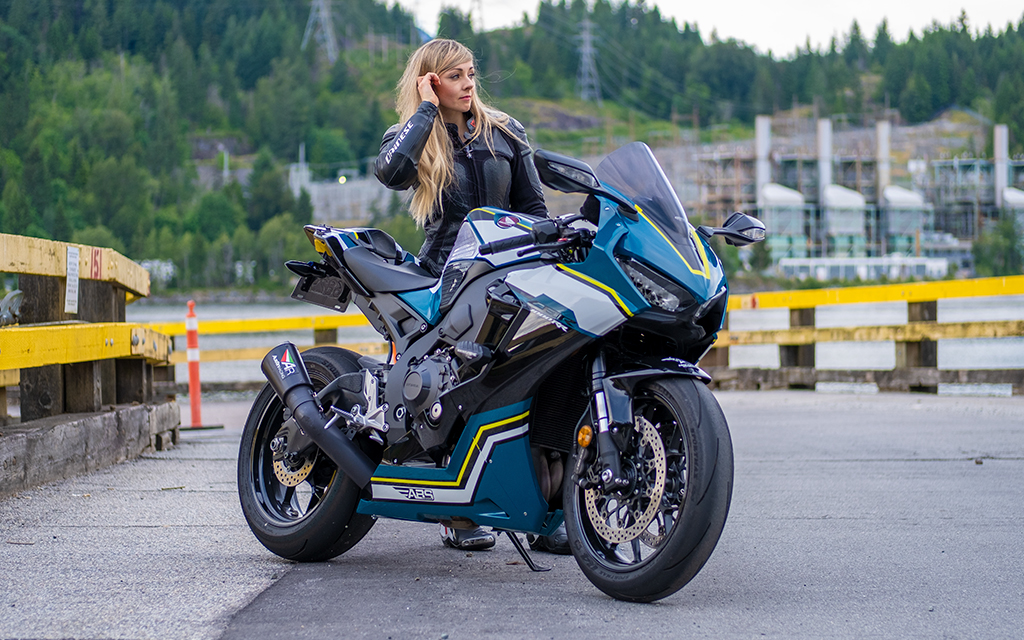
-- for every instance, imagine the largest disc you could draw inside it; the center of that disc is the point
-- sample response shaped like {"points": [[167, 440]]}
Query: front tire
{"points": [[315, 518], [647, 541]]}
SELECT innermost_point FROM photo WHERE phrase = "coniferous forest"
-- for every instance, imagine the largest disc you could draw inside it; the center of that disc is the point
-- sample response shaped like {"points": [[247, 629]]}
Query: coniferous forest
{"points": [[105, 105]]}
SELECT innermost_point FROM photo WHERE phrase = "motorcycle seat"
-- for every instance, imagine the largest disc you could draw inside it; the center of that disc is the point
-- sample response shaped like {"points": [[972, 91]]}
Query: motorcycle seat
{"points": [[380, 242], [381, 276]]}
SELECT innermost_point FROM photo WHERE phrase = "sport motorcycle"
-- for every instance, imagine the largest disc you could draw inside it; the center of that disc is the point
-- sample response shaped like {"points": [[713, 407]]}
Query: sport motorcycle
{"points": [[549, 374]]}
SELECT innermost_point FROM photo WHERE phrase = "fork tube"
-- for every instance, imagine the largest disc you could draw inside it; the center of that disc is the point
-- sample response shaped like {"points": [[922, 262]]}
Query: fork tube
{"points": [[608, 453]]}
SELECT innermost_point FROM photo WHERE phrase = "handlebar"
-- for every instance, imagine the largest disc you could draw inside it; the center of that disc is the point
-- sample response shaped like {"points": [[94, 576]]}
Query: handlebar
{"points": [[508, 243], [543, 233]]}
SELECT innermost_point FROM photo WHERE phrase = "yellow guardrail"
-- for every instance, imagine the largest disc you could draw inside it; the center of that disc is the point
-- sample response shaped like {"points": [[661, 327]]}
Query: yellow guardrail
{"points": [[909, 292], [41, 345], [257, 353], [797, 299], [263, 325]]}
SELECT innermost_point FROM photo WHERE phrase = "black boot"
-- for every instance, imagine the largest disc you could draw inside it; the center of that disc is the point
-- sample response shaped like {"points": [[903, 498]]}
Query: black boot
{"points": [[557, 542]]}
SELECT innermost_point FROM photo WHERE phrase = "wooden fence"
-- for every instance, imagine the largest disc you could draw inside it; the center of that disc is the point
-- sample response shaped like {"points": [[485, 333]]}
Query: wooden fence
{"points": [[72, 350], [915, 341], [916, 362]]}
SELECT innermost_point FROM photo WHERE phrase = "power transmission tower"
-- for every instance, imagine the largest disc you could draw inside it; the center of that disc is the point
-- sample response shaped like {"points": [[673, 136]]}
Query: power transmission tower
{"points": [[321, 26], [476, 15], [586, 78]]}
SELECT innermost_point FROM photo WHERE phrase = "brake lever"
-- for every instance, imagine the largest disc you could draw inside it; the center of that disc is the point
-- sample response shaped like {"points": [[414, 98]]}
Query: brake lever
{"points": [[562, 243]]}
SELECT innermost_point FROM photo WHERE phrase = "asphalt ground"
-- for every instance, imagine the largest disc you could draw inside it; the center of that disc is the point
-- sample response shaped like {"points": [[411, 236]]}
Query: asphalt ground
{"points": [[853, 516]]}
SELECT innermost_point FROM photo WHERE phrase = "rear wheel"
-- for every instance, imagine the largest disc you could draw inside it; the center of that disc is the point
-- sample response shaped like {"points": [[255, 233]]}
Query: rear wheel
{"points": [[647, 541], [302, 509]]}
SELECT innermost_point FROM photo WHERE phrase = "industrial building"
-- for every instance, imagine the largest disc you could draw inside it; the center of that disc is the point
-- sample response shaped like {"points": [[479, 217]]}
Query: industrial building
{"points": [[839, 214]]}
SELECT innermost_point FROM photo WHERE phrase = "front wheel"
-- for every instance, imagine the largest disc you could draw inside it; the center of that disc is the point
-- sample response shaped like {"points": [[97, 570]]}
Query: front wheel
{"points": [[646, 541], [303, 510]]}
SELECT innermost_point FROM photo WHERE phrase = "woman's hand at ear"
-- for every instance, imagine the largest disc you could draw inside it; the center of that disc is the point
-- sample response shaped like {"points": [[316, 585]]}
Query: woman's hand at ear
{"points": [[425, 85]]}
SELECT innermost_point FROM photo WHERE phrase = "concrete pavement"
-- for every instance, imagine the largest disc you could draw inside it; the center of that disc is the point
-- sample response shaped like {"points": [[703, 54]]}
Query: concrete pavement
{"points": [[852, 516]]}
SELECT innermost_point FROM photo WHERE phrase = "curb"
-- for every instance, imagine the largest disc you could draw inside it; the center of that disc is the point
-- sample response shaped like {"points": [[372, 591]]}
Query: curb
{"points": [[64, 446]]}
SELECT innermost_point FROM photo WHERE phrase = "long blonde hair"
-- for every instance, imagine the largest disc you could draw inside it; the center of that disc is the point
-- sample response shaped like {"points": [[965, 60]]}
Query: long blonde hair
{"points": [[436, 171]]}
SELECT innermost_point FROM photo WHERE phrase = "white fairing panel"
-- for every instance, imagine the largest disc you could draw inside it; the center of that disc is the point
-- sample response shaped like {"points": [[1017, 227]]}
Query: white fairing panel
{"points": [[596, 312]]}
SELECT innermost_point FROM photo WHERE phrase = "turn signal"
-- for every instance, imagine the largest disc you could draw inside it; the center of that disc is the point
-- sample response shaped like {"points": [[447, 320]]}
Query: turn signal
{"points": [[585, 435]]}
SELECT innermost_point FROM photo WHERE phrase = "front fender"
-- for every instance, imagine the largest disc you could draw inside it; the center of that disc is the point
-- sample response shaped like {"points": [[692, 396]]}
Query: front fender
{"points": [[620, 384]]}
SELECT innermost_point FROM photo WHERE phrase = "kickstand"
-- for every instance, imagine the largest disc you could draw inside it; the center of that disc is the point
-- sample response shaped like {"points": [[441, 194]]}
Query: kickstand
{"points": [[522, 551]]}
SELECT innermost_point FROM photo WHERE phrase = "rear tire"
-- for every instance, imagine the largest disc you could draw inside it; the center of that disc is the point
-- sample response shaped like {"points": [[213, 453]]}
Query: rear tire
{"points": [[315, 520], [647, 542]]}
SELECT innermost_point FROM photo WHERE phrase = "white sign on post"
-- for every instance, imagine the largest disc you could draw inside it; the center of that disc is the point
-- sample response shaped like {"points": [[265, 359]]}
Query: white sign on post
{"points": [[71, 286]]}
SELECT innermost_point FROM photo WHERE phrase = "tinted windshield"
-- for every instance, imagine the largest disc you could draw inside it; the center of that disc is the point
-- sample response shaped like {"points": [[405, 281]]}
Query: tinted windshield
{"points": [[634, 172]]}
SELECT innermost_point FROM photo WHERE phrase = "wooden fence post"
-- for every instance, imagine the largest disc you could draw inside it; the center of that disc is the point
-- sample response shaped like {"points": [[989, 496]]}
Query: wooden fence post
{"points": [[799, 356], [923, 354]]}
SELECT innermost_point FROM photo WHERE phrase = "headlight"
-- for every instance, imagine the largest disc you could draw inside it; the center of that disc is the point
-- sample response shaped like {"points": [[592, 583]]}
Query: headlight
{"points": [[657, 289]]}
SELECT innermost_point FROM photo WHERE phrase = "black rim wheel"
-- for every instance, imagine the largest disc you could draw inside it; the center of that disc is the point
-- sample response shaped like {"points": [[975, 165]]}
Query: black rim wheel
{"points": [[294, 490], [627, 529]]}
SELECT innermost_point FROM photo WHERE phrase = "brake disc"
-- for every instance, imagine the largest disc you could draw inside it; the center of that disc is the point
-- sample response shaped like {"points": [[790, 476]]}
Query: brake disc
{"points": [[293, 477], [619, 519]]}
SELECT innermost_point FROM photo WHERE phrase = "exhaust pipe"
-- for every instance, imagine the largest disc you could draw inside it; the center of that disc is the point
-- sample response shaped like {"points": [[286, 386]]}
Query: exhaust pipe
{"points": [[287, 374]]}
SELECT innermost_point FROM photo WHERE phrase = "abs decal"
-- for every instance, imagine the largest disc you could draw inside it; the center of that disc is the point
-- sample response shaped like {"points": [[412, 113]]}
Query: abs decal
{"points": [[460, 488], [420, 495]]}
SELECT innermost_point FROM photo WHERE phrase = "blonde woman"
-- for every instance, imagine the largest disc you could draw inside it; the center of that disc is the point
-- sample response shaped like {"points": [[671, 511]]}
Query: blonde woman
{"points": [[457, 154], [453, 150]]}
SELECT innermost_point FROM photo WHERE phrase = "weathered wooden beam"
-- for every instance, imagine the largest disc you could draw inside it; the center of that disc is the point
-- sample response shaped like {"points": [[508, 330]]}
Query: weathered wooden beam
{"points": [[35, 256], [911, 332], [38, 345], [798, 355], [83, 390], [42, 392], [134, 381], [901, 380]]}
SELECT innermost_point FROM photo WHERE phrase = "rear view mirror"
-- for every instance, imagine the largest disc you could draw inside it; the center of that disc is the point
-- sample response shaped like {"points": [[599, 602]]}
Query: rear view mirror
{"points": [[570, 175], [565, 174], [739, 230]]}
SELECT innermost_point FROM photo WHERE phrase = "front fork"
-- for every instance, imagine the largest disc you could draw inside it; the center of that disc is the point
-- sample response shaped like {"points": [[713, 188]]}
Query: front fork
{"points": [[608, 411]]}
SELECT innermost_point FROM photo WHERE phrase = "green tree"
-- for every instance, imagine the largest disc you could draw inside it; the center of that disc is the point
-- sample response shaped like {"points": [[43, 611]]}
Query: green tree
{"points": [[268, 193], [98, 236], [329, 151], [215, 214], [281, 116], [119, 197], [455, 25], [279, 240], [18, 212], [999, 252]]}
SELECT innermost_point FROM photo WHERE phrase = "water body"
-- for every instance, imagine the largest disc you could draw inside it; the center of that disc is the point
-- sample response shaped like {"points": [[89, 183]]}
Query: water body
{"points": [[240, 370], [981, 353]]}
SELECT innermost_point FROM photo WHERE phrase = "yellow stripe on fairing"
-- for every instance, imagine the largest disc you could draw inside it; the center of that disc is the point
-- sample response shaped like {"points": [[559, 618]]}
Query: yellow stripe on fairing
{"points": [[602, 286], [465, 462], [700, 248]]}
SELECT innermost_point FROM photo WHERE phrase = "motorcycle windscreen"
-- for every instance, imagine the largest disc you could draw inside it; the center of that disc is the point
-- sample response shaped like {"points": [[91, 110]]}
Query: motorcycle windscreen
{"points": [[634, 172]]}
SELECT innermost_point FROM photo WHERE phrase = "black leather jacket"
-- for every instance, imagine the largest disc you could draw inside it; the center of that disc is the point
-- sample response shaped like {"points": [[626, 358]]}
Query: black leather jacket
{"points": [[506, 180]]}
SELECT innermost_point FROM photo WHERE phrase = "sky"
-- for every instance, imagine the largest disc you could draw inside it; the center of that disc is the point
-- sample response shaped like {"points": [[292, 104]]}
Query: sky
{"points": [[781, 27]]}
